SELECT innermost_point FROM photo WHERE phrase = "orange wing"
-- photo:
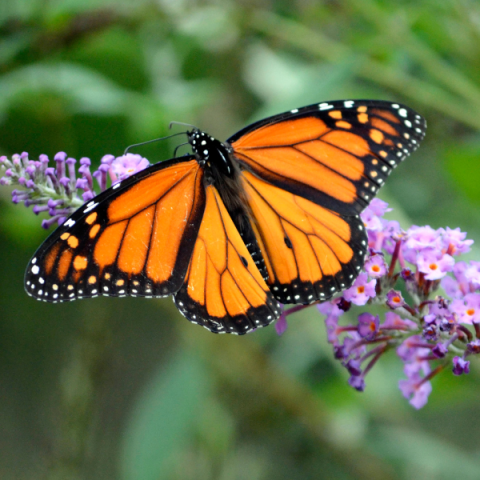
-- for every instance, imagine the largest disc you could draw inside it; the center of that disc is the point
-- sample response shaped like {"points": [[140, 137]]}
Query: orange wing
{"points": [[337, 154], [223, 289], [310, 252], [134, 239]]}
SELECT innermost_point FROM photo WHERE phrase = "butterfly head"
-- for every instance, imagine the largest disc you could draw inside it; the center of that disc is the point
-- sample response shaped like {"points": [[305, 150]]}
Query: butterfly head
{"points": [[210, 151]]}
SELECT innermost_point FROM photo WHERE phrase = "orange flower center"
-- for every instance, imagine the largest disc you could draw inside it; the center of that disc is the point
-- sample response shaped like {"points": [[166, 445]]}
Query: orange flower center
{"points": [[360, 289], [376, 268], [471, 311], [433, 266]]}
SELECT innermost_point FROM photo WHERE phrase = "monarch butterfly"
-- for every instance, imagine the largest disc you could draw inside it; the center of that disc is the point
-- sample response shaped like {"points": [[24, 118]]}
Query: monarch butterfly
{"points": [[271, 215]]}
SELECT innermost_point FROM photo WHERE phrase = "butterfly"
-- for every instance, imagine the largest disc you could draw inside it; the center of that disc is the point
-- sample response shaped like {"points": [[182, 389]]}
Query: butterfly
{"points": [[234, 229]]}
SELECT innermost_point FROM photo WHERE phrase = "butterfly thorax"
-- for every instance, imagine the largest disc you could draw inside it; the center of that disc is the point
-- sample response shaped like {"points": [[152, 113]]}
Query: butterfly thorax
{"points": [[211, 151]]}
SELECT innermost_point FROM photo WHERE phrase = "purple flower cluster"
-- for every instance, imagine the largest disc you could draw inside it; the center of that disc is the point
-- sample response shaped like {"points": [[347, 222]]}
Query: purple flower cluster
{"points": [[61, 189], [430, 329]]}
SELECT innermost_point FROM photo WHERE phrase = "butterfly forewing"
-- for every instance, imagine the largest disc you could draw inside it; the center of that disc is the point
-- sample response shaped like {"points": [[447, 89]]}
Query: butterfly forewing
{"points": [[134, 239], [223, 289], [336, 154]]}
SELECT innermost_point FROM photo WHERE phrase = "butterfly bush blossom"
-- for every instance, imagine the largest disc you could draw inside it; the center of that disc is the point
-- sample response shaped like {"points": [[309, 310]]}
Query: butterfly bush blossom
{"points": [[59, 190], [432, 301]]}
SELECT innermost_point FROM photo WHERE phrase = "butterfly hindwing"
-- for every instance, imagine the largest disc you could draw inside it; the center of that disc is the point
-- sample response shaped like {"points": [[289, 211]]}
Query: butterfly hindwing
{"points": [[223, 290], [136, 238], [310, 252], [336, 154]]}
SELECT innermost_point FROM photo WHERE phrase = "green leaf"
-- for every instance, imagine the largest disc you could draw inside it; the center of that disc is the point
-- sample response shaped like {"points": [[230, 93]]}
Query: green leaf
{"points": [[163, 418]]}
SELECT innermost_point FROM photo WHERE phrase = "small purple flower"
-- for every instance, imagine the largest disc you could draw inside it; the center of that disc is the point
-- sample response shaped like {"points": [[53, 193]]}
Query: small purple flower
{"points": [[127, 165], [439, 307], [395, 299], [375, 266], [357, 382], [433, 264], [467, 309], [361, 291], [354, 345], [440, 350], [460, 366], [333, 331], [420, 238], [368, 325], [473, 347], [472, 273], [447, 324], [354, 367], [454, 242], [412, 349], [391, 233], [430, 328], [416, 390], [451, 287], [331, 308], [371, 216]]}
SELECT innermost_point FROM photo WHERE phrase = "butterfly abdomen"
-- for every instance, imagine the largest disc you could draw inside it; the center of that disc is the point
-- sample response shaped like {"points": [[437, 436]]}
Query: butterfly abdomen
{"points": [[236, 203]]}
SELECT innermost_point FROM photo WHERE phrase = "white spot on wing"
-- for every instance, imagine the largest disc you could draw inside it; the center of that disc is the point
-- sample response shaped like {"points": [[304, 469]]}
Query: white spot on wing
{"points": [[90, 207], [325, 106]]}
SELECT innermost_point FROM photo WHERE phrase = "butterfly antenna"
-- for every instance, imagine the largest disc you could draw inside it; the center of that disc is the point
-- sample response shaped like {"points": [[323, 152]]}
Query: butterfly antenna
{"points": [[154, 140], [183, 124], [177, 147]]}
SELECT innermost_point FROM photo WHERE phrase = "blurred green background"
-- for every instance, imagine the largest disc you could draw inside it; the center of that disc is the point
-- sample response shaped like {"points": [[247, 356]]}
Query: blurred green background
{"points": [[126, 388]]}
